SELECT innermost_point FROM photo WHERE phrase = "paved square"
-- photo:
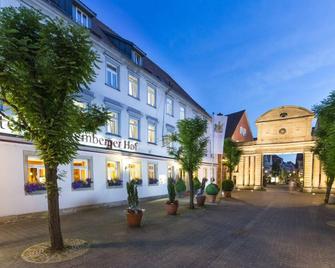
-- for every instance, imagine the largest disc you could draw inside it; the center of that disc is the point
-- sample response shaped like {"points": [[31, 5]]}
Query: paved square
{"points": [[255, 229]]}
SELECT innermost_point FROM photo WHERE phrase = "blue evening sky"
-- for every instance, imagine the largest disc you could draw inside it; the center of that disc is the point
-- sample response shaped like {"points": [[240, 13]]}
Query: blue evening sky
{"points": [[234, 55]]}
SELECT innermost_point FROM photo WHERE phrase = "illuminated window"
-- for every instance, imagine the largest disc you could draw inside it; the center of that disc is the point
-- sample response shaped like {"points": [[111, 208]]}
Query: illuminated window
{"points": [[169, 106], [112, 76], [152, 173], [135, 173], [113, 124], [81, 174], [35, 175], [151, 96], [170, 171], [113, 173], [133, 86], [151, 133], [134, 128]]}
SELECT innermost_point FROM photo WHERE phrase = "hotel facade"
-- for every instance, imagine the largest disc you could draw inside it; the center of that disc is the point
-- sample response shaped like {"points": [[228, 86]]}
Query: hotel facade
{"points": [[145, 104]]}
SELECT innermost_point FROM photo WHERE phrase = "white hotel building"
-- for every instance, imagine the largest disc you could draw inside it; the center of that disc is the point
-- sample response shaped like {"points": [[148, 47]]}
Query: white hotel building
{"points": [[145, 105]]}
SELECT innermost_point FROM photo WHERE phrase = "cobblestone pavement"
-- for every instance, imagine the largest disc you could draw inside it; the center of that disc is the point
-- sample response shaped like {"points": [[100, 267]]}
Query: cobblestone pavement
{"points": [[254, 229]]}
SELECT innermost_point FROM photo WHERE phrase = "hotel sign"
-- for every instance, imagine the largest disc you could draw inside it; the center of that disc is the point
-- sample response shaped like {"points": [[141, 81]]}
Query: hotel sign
{"points": [[113, 144]]}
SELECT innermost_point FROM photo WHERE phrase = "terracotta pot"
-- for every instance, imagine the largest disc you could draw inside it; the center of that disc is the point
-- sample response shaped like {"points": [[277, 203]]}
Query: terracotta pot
{"points": [[227, 194], [212, 198], [201, 200], [171, 208], [134, 219]]}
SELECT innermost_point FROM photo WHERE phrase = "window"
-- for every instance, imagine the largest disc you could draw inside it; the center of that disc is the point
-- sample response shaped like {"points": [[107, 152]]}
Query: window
{"points": [[205, 173], [35, 175], [151, 96], [135, 173], [114, 123], [182, 112], [170, 171], [243, 131], [81, 174], [169, 106], [112, 76], [166, 139], [133, 86], [113, 174], [151, 133], [134, 128], [152, 174], [81, 18], [137, 58]]}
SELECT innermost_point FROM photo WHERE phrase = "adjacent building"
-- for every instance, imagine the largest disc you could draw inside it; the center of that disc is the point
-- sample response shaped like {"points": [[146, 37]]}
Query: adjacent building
{"points": [[145, 104]]}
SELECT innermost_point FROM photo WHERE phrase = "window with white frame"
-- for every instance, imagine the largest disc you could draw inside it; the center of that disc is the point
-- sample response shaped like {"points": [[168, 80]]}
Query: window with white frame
{"points": [[112, 75], [113, 125], [182, 112], [81, 173], [135, 173], [169, 106], [113, 173], [243, 131], [133, 86], [167, 138], [151, 91], [151, 132], [137, 58], [34, 175], [81, 17], [170, 172], [152, 173], [134, 128]]}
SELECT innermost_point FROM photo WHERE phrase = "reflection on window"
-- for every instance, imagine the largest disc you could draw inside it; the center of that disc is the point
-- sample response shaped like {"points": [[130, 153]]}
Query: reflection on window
{"points": [[135, 173], [133, 86], [113, 173], [112, 76], [152, 173], [81, 174], [35, 180], [113, 124], [133, 128]]}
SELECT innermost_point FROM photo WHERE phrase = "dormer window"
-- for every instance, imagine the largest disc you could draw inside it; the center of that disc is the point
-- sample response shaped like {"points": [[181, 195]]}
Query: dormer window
{"points": [[137, 59], [81, 17]]}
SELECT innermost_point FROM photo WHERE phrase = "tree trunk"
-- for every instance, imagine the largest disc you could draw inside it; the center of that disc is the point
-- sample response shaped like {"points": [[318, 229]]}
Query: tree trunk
{"points": [[329, 188], [190, 177], [56, 238]]}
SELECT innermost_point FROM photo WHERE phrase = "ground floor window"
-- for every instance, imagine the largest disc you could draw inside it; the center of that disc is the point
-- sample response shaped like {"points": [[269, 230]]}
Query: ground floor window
{"points": [[135, 173], [152, 173], [170, 172], [81, 173], [113, 174], [35, 175]]}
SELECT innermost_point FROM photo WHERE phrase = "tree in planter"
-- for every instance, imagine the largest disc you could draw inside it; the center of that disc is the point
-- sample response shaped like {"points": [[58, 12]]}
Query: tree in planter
{"points": [[325, 138], [192, 145], [44, 64], [232, 155]]}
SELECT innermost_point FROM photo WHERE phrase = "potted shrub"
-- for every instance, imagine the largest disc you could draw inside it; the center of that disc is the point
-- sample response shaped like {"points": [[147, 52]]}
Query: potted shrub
{"points": [[172, 204], [201, 197], [180, 187], [212, 190], [196, 184], [134, 213], [227, 187]]}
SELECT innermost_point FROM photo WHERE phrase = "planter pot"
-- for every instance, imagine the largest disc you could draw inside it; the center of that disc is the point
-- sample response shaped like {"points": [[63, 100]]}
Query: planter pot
{"points": [[171, 208], [201, 200], [227, 194], [212, 198], [134, 219]]}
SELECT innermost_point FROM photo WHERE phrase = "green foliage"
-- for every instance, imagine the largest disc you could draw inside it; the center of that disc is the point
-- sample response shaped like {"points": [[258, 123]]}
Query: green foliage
{"points": [[132, 195], [212, 189], [232, 155], [325, 138], [171, 190], [202, 187], [196, 184], [227, 185], [180, 186], [44, 65]]}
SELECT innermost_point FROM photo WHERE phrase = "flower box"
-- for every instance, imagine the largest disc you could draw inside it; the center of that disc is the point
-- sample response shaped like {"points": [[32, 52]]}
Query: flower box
{"points": [[138, 181], [153, 181], [34, 187], [82, 184], [114, 183]]}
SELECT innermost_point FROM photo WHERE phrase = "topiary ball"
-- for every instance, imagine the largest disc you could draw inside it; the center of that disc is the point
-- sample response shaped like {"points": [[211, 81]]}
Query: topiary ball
{"points": [[212, 189], [196, 184], [227, 185], [180, 186]]}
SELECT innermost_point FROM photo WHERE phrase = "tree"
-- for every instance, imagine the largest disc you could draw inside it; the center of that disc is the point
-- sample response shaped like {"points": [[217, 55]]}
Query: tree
{"points": [[325, 138], [192, 145], [232, 155], [44, 64]]}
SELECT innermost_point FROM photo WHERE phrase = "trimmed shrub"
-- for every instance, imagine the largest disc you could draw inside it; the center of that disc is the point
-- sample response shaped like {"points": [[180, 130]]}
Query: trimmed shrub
{"points": [[180, 186], [196, 184], [212, 189], [227, 185]]}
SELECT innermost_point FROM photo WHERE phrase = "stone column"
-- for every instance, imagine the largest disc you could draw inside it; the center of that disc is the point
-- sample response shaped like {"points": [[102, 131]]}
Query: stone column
{"points": [[252, 170], [246, 171], [258, 172], [316, 172], [308, 171], [240, 179]]}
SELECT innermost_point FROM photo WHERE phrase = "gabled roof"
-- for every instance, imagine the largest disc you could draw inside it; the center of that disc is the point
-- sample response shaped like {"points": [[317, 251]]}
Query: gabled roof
{"points": [[232, 121]]}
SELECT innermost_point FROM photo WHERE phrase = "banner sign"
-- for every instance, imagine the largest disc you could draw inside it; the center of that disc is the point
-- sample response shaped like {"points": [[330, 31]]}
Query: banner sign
{"points": [[219, 129]]}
